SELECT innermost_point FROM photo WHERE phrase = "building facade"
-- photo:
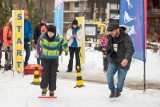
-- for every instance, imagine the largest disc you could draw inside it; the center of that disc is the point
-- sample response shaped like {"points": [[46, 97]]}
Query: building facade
{"points": [[153, 22], [108, 9]]}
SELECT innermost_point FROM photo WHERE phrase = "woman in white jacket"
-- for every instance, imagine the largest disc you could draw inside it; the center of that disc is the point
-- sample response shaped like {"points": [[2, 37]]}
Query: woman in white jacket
{"points": [[74, 41]]}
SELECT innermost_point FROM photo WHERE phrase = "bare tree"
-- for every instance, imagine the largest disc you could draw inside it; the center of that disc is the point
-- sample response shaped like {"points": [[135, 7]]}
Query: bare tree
{"points": [[90, 5], [0, 3], [1, 11], [40, 6], [104, 2]]}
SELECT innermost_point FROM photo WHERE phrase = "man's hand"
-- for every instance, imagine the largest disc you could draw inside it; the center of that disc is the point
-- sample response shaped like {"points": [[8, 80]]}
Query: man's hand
{"points": [[124, 62]]}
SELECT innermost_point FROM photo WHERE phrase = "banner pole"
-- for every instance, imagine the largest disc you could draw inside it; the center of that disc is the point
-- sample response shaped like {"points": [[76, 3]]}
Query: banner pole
{"points": [[145, 30]]}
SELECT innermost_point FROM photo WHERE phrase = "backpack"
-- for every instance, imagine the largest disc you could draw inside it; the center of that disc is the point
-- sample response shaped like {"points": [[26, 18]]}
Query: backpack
{"points": [[1, 35]]}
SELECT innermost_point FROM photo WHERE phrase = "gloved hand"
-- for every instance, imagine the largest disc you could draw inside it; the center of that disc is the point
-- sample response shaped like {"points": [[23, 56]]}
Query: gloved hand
{"points": [[60, 52], [26, 39], [104, 51], [8, 48], [1, 44], [66, 53]]}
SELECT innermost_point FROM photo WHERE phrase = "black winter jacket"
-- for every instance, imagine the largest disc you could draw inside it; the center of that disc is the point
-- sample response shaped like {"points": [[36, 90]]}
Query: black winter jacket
{"points": [[37, 32], [125, 49]]}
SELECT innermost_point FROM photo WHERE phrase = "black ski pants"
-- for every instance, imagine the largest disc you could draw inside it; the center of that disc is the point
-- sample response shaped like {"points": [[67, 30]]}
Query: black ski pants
{"points": [[49, 75], [77, 52]]}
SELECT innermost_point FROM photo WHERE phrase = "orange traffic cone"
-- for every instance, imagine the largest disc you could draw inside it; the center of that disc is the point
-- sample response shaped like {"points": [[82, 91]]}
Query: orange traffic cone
{"points": [[36, 80], [79, 82]]}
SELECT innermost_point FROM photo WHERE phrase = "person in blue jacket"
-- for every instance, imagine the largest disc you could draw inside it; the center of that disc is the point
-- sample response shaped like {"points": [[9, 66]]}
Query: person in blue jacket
{"points": [[28, 30]]}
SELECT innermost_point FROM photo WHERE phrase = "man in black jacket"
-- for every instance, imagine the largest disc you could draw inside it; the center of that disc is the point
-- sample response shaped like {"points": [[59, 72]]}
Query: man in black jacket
{"points": [[120, 49], [37, 30]]}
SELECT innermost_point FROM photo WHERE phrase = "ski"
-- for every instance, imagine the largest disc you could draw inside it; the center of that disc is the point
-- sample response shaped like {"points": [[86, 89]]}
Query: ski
{"points": [[47, 96]]}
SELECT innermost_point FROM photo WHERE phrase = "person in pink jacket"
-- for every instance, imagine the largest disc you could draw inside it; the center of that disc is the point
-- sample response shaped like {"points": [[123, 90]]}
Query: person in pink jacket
{"points": [[39, 50], [7, 38], [103, 46]]}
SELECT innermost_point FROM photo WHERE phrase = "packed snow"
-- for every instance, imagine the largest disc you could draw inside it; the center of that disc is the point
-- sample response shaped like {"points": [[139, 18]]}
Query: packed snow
{"points": [[18, 91]]}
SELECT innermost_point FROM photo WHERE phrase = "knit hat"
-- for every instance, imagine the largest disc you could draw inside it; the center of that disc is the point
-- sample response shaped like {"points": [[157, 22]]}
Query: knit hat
{"points": [[51, 28], [75, 22], [43, 19], [112, 26]]}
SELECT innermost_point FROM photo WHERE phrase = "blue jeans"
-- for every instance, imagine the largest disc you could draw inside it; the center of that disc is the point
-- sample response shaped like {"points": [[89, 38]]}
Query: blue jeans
{"points": [[112, 69]]}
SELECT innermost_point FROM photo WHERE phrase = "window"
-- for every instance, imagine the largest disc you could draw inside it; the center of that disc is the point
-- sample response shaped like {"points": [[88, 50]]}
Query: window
{"points": [[114, 6], [151, 28], [76, 4], [66, 6]]}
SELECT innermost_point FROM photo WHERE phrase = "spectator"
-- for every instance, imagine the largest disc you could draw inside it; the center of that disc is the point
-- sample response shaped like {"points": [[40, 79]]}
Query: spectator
{"points": [[27, 36], [39, 50], [74, 41], [104, 46], [37, 30], [7, 38]]}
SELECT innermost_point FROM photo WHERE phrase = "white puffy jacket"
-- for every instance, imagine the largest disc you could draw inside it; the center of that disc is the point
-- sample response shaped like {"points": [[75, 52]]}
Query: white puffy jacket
{"points": [[70, 40]]}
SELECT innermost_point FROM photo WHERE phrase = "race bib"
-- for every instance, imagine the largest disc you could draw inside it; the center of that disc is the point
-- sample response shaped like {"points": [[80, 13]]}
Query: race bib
{"points": [[115, 47]]}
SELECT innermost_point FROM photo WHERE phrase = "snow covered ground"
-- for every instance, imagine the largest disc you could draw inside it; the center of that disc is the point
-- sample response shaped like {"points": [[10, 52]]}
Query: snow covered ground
{"points": [[18, 92]]}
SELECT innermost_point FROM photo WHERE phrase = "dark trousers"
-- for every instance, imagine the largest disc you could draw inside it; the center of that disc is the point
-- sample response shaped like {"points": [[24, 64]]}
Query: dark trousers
{"points": [[72, 51], [49, 75], [0, 54], [39, 61], [27, 49]]}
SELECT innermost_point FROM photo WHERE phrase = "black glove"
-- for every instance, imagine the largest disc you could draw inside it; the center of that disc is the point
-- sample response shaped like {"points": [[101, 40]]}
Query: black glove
{"points": [[66, 53], [26, 39], [104, 52], [99, 48], [8, 48], [1, 44], [60, 50]]}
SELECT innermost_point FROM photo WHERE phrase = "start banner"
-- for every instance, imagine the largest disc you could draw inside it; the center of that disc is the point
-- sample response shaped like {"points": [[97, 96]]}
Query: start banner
{"points": [[18, 41]]}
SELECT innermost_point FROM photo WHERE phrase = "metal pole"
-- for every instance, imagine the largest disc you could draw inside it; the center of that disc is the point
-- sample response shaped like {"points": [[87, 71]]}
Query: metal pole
{"points": [[145, 29]]}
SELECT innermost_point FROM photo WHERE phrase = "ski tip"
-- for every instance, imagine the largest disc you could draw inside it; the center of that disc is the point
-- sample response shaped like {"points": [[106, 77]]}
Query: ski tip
{"points": [[47, 96]]}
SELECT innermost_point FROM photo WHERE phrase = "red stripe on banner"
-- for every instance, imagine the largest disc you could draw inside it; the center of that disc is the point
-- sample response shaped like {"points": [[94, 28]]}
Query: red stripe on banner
{"points": [[145, 19]]}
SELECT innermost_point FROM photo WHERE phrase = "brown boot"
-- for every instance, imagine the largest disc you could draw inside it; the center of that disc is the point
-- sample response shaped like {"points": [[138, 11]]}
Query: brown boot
{"points": [[51, 93], [112, 95], [118, 94], [44, 91]]}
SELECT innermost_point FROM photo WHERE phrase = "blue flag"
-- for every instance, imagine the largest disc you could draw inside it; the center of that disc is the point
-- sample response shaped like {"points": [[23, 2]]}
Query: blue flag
{"points": [[58, 16], [132, 16]]}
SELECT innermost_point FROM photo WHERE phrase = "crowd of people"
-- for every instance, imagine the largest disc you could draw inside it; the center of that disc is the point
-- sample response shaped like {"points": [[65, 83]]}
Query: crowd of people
{"points": [[116, 46]]}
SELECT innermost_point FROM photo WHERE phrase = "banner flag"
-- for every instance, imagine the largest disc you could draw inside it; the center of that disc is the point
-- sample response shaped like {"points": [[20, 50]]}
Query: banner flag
{"points": [[132, 16], [58, 16], [18, 41]]}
